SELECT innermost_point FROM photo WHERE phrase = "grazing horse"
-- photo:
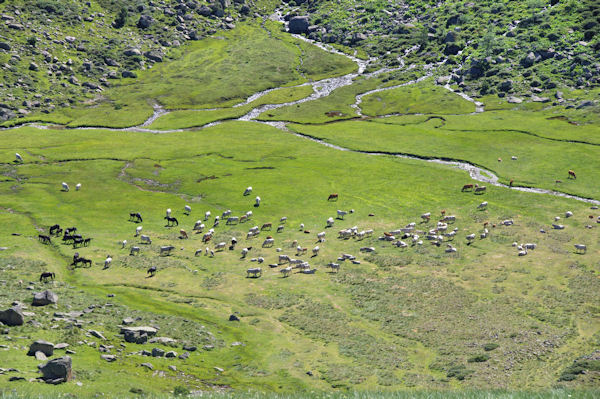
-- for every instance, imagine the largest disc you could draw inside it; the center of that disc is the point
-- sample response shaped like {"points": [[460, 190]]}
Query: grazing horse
{"points": [[467, 187], [183, 234], [152, 271], [479, 189], [86, 242], [77, 242], [572, 175], [171, 221], [135, 217], [44, 239], [333, 196], [47, 275], [54, 229], [266, 226], [86, 262]]}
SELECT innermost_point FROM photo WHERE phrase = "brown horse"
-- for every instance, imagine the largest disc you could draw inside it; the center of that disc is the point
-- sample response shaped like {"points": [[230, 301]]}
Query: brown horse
{"points": [[47, 275], [467, 187], [572, 174], [333, 196]]}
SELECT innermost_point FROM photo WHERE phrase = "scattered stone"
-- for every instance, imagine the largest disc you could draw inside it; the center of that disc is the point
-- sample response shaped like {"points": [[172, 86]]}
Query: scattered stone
{"points": [[190, 348], [154, 56], [171, 354], [40, 356], [529, 60], [4, 46], [172, 368], [129, 74], [219, 369], [57, 370], [162, 340], [61, 346], [234, 318], [130, 52], [587, 103], [33, 66], [184, 355], [13, 316], [157, 352], [149, 366], [145, 353], [44, 298], [97, 334], [128, 321], [70, 39], [47, 348], [537, 99], [505, 86], [145, 21], [298, 24], [514, 100], [109, 358], [16, 378]]}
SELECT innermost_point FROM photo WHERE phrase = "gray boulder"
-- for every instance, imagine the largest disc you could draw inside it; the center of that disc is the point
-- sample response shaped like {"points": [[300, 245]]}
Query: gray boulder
{"points": [[450, 37], [154, 56], [157, 352], [514, 100], [129, 74], [148, 366], [5, 46], [171, 354], [13, 316], [135, 337], [204, 11], [33, 66], [130, 52], [40, 356], [47, 348], [529, 60], [145, 22], [109, 358], [44, 298], [299, 25], [505, 86], [97, 334], [57, 370]]}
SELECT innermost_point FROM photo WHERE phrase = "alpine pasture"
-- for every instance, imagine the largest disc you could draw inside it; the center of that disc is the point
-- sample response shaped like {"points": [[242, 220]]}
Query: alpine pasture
{"points": [[392, 317]]}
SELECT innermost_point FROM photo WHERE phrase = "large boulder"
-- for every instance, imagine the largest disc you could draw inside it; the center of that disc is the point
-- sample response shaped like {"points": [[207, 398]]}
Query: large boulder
{"points": [[452, 49], [40, 345], [12, 317], [138, 335], [44, 298], [5, 46], [204, 11], [145, 21], [528, 60], [130, 52], [57, 370], [298, 24], [154, 56]]}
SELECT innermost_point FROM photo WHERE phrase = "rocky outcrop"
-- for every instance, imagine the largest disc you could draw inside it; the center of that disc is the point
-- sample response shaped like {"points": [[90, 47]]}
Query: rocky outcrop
{"points": [[13, 316], [57, 370], [298, 24], [44, 298]]}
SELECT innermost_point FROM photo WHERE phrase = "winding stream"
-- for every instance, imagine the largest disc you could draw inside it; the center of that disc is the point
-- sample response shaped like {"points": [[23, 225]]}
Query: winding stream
{"points": [[324, 88]]}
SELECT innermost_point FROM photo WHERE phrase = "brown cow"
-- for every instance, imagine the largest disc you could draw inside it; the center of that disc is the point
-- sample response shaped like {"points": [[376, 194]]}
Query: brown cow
{"points": [[332, 196]]}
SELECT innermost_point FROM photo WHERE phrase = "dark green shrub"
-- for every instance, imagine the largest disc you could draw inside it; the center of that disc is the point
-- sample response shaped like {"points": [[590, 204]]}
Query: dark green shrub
{"points": [[479, 358], [490, 347]]}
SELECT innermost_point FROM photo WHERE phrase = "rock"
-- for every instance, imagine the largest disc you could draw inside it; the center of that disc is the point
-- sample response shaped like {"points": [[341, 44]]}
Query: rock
{"points": [[208, 347], [40, 356], [128, 321], [73, 80], [109, 358], [514, 100], [452, 49], [13, 316], [33, 66], [61, 346], [587, 103], [16, 378], [145, 353], [219, 369], [233, 318], [47, 348], [245, 9], [97, 334], [129, 74], [111, 62], [149, 366], [357, 37], [150, 331], [154, 56], [130, 52], [171, 354], [44, 298], [298, 24], [57, 370], [505, 86], [157, 352], [91, 85], [145, 22], [537, 99], [442, 80], [172, 368], [451, 37], [4, 46], [184, 355], [190, 348], [135, 337], [204, 11], [162, 340], [529, 60]]}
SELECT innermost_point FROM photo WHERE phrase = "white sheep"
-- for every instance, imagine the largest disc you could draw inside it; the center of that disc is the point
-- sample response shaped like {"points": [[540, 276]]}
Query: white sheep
{"points": [[65, 186], [78, 187], [206, 215], [138, 230], [188, 209], [257, 202], [248, 190], [18, 158]]}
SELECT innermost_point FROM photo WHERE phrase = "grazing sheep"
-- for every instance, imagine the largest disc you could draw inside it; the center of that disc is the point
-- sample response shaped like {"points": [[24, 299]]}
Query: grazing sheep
{"points": [[556, 218], [470, 238], [508, 222], [257, 202], [248, 190], [514, 158], [255, 272], [523, 253], [134, 250], [187, 210], [123, 244], [198, 252], [283, 219], [315, 250], [321, 236], [400, 244], [330, 222], [65, 187], [280, 228], [78, 187], [260, 259], [483, 205], [301, 226], [426, 216], [199, 226], [166, 250], [333, 266], [206, 215], [367, 249], [286, 271], [18, 158], [529, 245], [568, 214], [107, 261], [220, 246], [245, 252], [268, 242], [450, 249], [145, 239], [558, 226], [581, 248], [232, 220], [138, 230], [341, 214], [479, 189], [248, 215]]}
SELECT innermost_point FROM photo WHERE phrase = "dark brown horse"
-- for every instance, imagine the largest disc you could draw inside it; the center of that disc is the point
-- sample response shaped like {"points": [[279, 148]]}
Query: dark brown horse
{"points": [[333, 196], [47, 275]]}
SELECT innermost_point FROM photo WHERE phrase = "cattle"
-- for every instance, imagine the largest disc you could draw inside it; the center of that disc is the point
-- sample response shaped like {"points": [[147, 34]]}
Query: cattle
{"points": [[78, 187], [341, 214], [255, 272], [171, 221], [333, 196], [449, 218], [266, 226], [248, 190], [166, 250], [134, 250], [483, 205], [44, 239], [152, 271], [65, 187], [216, 222], [308, 271], [145, 239], [580, 248], [183, 234], [138, 230], [479, 189], [268, 242], [286, 271], [249, 215], [369, 232], [47, 275], [187, 210], [467, 187], [198, 252], [78, 242], [333, 266], [400, 244], [315, 251], [243, 219], [301, 250], [245, 252], [18, 158], [123, 244], [220, 246], [54, 230], [107, 262], [529, 245], [135, 217], [233, 220], [283, 219]]}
